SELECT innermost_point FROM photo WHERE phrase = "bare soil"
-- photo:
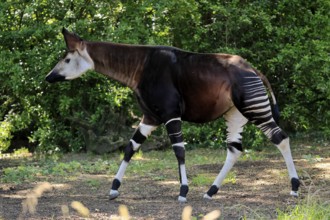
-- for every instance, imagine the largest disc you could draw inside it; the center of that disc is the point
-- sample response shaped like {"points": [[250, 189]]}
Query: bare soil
{"points": [[261, 188]]}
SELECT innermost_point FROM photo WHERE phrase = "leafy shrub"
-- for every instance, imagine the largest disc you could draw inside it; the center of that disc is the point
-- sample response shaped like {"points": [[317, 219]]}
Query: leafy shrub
{"points": [[210, 135], [5, 135]]}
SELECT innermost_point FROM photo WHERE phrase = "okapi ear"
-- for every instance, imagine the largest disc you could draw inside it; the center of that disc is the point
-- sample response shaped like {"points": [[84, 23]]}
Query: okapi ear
{"points": [[72, 40]]}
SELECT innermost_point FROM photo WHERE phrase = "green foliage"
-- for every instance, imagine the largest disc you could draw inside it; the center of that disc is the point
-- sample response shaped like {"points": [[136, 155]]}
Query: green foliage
{"points": [[64, 169], [312, 158], [252, 155], [210, 135], [94, 183], [5, 135], [21, 152], [288, 40], [207, 179], [310, 208], [19, 174], [97, 167], [55, 167], [254, 138], [202, 180]]}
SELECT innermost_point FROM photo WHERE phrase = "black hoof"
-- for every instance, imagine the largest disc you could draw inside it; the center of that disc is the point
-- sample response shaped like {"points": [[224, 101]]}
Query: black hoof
{"points": [[213, 190]]}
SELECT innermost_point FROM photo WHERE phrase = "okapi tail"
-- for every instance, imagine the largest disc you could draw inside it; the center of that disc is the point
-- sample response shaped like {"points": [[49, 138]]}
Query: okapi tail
{"points": [[275, 108]]}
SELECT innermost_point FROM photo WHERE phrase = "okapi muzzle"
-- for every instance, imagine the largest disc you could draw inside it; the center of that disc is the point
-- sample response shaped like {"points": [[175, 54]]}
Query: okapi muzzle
{"points": [[173, 85], [54, 77]]}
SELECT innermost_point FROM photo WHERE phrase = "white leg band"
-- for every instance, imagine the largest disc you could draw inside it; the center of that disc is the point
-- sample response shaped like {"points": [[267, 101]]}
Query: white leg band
{"points": [[121, 171], [146, 129], [284, 147], [135, 145], [173, 119], [181, 144], [229, 163], [184, 179]]}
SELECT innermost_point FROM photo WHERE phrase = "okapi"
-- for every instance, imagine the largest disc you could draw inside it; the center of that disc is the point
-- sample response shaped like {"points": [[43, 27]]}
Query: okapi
{"points": [[172, 85]]}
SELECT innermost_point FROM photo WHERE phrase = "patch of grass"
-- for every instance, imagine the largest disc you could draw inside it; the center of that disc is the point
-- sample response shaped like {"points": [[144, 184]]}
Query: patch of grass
{"points": [[307, 209], [98, 167], [64, 169], [57, 168], [230, 178], [158, 177], [138, 155], [19, 174], [152, 162], [251, 155], [205, 156], [94, 183], [150, 167], [208, 179], [312, 158], [21, 152], [202, 180]]}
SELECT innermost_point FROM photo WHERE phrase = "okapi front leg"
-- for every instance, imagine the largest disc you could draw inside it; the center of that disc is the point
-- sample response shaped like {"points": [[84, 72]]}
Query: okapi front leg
{"points": [[140, 135], [235, 122], [173, 127], [232, 156]]}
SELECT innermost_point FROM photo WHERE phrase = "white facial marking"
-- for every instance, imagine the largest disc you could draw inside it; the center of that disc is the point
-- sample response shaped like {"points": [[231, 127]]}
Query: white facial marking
{"points": [[74, 64]]}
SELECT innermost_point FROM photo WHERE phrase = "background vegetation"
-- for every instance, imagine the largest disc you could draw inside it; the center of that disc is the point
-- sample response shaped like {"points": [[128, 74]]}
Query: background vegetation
{"points": [[288, 40]]}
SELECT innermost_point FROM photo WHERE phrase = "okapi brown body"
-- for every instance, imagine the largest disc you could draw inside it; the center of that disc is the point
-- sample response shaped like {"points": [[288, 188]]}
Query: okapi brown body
{"points": [[173, 85]]}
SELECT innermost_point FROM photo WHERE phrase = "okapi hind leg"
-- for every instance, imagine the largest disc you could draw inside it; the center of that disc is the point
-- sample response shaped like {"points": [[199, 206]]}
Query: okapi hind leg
{"points": [[284, 147], [235, 122], [255, 106], [281, 140], [140, 135]]}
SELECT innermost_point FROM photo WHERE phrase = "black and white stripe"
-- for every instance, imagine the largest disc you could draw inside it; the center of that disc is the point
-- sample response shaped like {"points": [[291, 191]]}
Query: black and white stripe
{"points": [[140, 135], [257, 108], [173, 127]]}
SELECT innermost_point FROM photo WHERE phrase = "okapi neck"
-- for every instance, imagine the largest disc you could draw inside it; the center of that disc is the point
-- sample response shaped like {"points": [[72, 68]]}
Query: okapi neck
{"points": [[120, 62]]}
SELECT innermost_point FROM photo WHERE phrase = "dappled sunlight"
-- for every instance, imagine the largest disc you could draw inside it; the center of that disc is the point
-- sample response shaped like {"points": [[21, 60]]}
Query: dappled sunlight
{"points": [[258, 183], [61, 186], [261, 182], [277, 172], [169, 182], [21, 194], [325, 165]]}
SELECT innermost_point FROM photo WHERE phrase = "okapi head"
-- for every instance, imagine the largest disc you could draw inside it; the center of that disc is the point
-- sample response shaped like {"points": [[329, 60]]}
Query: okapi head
{"points": [[76, 61]]}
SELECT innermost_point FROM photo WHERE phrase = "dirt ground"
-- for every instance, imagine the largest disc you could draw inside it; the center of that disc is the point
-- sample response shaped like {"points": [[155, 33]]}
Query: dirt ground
{"points": [[261, 188]]}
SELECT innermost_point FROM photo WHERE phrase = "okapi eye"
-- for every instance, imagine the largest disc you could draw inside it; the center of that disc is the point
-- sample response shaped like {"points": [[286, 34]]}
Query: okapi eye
{"points": [[67, 60]]}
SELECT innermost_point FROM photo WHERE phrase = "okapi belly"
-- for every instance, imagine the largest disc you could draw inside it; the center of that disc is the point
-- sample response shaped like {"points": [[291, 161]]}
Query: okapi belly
{"points": [[206, 109]]}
